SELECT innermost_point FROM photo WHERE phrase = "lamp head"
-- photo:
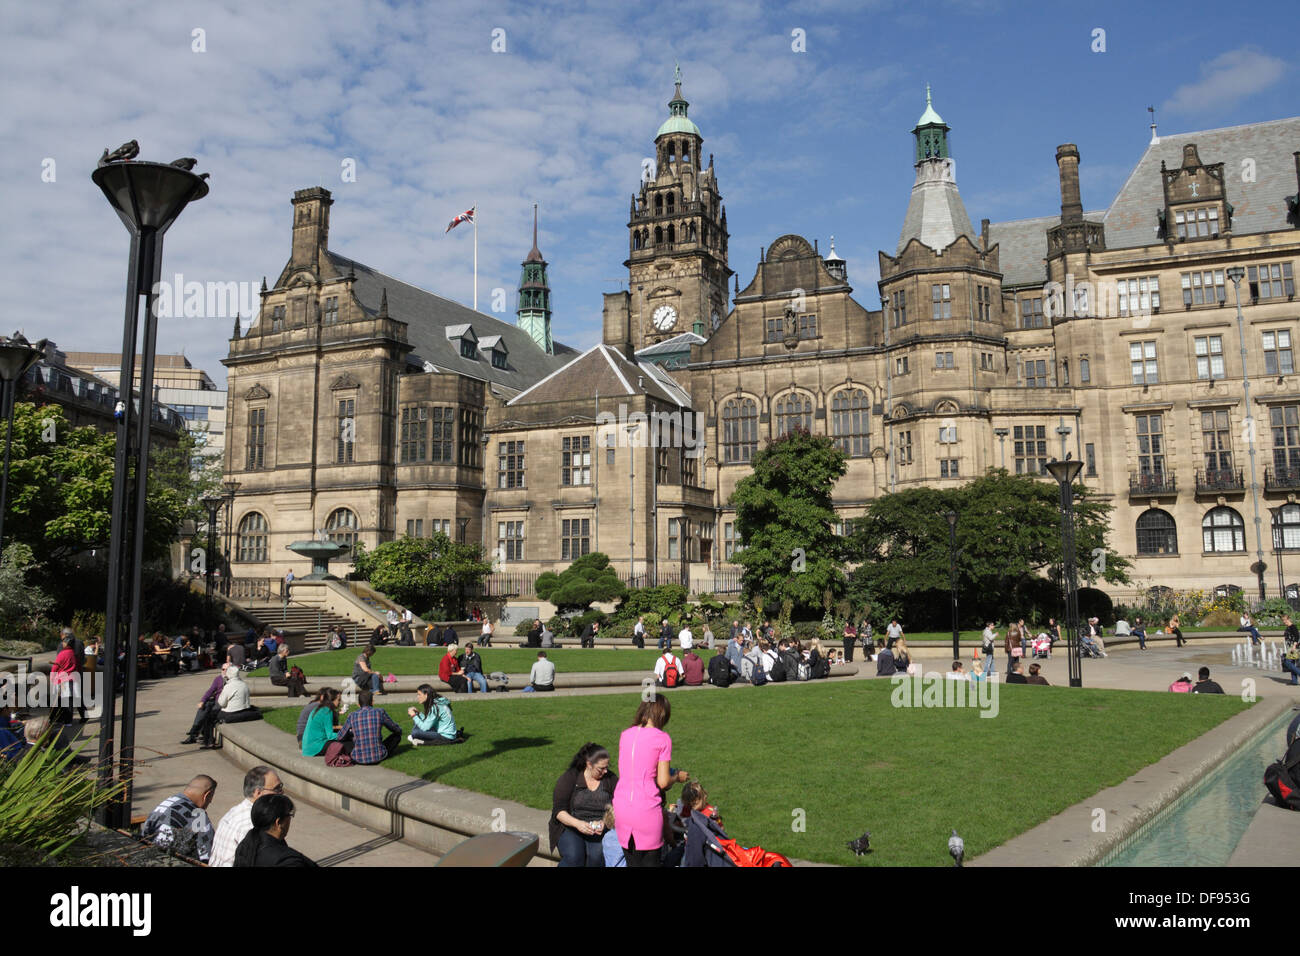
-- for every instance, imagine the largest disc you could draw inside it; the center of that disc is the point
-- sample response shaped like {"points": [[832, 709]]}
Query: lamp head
{"points": [[1236, 273], [1066, 471]]}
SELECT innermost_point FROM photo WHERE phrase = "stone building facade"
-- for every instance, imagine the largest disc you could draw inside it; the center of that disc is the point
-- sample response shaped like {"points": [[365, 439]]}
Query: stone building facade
{"points": [[1109, 335]]}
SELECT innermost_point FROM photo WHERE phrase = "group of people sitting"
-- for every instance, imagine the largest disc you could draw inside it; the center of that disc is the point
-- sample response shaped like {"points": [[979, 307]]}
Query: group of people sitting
{"points": [[369, 735], [252, 833]]}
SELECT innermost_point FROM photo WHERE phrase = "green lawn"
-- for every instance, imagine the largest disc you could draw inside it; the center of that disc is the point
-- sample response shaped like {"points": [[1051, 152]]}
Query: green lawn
{"points": [[512, 660], [841, 753]]}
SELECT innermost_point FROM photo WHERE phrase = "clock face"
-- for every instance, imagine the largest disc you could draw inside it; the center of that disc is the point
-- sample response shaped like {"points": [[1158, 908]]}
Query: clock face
{"points": [[665, 318]]}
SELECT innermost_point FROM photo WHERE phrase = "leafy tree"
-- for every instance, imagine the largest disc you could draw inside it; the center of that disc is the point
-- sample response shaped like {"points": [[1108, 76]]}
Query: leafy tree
{"points": [[784, 515], [1008, 536], [22, 604], [427, 573], [61, 493], [584, 582]]}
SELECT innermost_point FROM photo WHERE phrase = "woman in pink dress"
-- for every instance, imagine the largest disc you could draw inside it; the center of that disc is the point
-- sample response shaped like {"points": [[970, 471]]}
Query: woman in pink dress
{"points": [[644, 753]]}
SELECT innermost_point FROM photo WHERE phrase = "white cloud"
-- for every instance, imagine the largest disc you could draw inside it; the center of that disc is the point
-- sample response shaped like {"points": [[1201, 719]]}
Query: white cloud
{"points": [[1225, 80]]}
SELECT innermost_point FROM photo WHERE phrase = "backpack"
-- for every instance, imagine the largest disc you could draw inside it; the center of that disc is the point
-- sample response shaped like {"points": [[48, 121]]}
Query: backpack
{"points": [[720, 670], [804, 671], [759, 676], [777, 672], [792, 664], [670, 670], [823, 668], [1282, 779]]}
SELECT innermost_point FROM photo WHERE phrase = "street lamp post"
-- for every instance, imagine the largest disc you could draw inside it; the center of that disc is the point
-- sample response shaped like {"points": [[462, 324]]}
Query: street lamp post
{"points": [[231, 487], [1065, 472], [1002, 434], [952, 579], [1236, 274], [211, 503], [17, 356], [147, 197]]}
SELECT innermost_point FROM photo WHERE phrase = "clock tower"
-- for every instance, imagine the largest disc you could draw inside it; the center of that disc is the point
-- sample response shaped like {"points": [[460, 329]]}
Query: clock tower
{"points": [[677, 261]]}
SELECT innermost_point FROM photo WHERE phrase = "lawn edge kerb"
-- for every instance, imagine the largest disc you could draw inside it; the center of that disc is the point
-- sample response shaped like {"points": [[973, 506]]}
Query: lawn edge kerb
{"points": [[516, 797]]}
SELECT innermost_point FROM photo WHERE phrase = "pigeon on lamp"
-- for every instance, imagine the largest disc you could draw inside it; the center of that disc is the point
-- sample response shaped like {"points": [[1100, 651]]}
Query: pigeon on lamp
{"points": [[124, 152], [956, 848], [185, 162], [861, 845]]}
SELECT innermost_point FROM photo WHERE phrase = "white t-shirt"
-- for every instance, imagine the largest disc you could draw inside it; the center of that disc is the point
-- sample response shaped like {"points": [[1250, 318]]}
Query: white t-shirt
{"points": [[685, 638], [392, 616], [487, 629], [1122, 628], [894, 630], [661, 666], [640, 628], [957, 675]]}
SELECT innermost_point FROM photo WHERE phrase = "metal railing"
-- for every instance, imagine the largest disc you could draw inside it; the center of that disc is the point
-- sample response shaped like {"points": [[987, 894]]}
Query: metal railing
{"points": [[1220, 479], [1152, 483], [1283, 478]]}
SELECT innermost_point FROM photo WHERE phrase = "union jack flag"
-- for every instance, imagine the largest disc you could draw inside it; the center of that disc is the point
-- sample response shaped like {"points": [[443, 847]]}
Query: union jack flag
{"points": [[466, 216]]}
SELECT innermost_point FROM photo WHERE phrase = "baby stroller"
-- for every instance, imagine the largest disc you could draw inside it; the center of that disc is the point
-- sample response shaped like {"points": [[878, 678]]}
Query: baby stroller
{"points": [[1088, 647], [501, 679], [717, 849], [1041, 647]]}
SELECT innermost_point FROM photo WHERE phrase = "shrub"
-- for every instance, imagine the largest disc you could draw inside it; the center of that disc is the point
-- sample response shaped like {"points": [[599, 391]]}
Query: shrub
{"points": [[45, 803]]}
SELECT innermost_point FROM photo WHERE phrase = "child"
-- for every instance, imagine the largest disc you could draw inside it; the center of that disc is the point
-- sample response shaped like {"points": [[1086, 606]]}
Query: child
{"points": [[609, 842]]}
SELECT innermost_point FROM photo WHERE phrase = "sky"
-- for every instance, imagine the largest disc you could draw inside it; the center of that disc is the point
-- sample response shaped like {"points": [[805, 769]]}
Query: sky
{"points": [[410, 113]]}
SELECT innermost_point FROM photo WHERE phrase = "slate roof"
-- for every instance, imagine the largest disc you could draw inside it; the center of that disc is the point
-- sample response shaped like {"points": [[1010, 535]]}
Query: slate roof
{"points": [[681, 342], [429, 316], [935, 215], [1022, 247], [602, 370], [1259, 206]]}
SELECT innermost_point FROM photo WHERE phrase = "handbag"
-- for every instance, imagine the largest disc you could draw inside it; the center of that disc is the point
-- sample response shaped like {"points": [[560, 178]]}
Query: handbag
{"points": [[1017, 652], [338, 753]]}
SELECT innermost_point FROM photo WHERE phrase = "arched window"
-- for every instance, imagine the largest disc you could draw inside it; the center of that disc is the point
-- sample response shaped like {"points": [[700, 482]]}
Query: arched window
{"points": [[1156, 533], [851, 422], [739, 430], [1286, 528], [670, 204], [793, 411], [1226, 590], [686, 151], [252, 538], [341, 526], [672, 233], [1223, 530], [659, 235], [636, 239], [659, 204]]}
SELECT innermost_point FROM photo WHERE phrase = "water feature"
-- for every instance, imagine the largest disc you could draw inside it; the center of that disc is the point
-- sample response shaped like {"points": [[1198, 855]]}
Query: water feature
{"points": [[1204, 825]]}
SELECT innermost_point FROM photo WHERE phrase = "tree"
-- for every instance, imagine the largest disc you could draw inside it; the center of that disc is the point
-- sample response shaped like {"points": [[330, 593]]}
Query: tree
{"points": [[784, 515], [1008, 535], [431, 574], [584, 582], [60, 500]]}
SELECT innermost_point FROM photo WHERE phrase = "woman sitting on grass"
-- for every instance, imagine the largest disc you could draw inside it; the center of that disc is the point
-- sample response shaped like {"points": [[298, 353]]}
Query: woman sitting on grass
{"points": [[902, 659], [322, 723], [434, 723]]}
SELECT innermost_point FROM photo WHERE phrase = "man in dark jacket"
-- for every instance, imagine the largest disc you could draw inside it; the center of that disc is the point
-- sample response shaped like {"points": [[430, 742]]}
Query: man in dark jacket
{"points": [[885, 666], [535, 634], [449, 636], [1204, 685], [264, 844], [665, 636], [589, 634]]}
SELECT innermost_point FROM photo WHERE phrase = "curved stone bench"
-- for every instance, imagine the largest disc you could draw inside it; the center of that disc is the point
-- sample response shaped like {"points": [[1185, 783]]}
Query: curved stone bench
{"points": [[426, 813]]}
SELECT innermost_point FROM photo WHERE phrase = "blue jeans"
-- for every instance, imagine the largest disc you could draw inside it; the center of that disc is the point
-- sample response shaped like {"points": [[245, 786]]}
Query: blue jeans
{"points": [[1141, 635], [1252, 631], [375, 683], [578, 849], [1292, 668], [665, 643], [477, 678], [991, 667]]}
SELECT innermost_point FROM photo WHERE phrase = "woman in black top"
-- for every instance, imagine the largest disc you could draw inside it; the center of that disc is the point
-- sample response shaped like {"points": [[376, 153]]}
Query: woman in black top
{"points": [[264, 844], [578, 807]]}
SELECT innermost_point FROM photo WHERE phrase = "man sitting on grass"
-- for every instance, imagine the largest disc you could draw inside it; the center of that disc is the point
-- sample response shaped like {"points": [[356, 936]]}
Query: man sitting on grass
{"points": [[693, 669], [363, 727], [1017, 675], [542, 676], [1204, 685], [668, 670]]}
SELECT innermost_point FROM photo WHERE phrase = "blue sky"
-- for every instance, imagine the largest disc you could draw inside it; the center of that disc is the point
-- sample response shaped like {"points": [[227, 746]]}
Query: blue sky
{"points": [[814, 142]]}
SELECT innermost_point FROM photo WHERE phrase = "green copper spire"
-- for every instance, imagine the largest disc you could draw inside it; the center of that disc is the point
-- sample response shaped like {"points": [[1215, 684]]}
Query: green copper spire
{"points": [[931, 133], [533, 314], [677, 121]]}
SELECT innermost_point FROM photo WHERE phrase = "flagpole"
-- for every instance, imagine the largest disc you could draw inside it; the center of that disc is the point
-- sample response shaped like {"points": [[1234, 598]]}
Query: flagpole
{"points": [[475, 223]]}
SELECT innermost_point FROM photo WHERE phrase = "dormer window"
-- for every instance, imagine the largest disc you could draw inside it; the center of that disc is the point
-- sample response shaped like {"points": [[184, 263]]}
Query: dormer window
{"points": [[1197, 223], [495, 346], [498, 359], [465, 338], [468, 349]]}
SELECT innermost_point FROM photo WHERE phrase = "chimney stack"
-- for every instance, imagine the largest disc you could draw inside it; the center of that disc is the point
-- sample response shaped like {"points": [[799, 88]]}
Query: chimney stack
{"points": [[617, 332], [1067, 165], [984, 234]]}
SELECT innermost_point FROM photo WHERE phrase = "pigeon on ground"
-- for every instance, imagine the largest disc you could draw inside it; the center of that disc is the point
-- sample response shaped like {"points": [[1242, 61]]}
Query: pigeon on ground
{"points": [[185, 162], [126, 151], [862, 844], [956, 848]]}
